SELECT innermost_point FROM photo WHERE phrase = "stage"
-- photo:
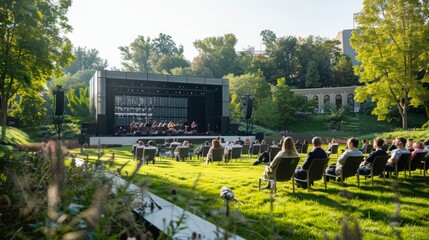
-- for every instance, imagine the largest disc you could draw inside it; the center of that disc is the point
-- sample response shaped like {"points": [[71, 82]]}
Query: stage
{"points": [[130, 140]]}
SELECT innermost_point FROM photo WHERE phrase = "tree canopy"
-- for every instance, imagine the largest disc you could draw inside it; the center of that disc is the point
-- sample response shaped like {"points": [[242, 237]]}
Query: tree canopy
{"points": [[33, 47], [392, 44]]}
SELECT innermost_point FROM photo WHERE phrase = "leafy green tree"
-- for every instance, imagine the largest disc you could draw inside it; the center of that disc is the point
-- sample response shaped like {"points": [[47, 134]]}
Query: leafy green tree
{"points": [[79, 105], [267, 114], [343, 74], [29, 109], [284, 101], [254, 84], [312, 77], [86, 59], [218, 55], [339, 117], [159, 55], [137, 56], [269, 38], [33, 47], [392, 44], [235, 108]]}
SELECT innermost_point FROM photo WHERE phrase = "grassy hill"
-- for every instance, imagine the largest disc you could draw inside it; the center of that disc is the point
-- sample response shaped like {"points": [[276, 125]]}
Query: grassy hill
{"points": [[358, 125]]}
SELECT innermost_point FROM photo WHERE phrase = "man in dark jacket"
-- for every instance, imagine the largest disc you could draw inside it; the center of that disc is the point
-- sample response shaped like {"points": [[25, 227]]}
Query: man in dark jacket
{"points": [[316, 153]]}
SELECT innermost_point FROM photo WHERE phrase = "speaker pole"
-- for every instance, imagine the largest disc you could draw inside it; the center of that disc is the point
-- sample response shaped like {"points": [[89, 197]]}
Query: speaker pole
{"points": [[58, 113]]}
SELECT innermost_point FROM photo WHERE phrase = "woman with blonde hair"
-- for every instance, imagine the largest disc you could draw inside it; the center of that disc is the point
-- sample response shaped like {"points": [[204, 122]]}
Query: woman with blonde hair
{"points": [[215, 144], [288, 151]]}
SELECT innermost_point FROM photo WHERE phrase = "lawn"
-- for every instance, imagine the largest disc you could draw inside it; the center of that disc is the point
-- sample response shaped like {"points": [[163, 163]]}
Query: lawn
{"points": [[299, 215]]}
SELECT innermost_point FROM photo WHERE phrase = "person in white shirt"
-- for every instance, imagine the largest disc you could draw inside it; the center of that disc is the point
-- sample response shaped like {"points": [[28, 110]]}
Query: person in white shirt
{"points": [[396, 154]]}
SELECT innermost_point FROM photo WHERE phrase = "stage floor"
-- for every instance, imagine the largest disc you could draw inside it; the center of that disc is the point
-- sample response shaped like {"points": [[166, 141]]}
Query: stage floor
{"points": [[130, 140]]}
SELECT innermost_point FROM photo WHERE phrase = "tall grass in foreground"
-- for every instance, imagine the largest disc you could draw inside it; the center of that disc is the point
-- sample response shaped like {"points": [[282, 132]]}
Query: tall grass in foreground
{"points": [[382, 211]]}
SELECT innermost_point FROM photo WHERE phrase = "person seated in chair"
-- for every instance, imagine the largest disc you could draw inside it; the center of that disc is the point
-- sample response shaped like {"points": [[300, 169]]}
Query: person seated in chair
{"points": [[331, 146], [365, 167], [364, 145], [396, 153], [185, 144], [215, 145], [353, 151], [199, 150], [316, 153], [288, 151], [228, 149], [265, 156]]}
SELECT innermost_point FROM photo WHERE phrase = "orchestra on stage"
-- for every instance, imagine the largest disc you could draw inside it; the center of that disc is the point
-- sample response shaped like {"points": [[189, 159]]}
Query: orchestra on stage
{"points": [[158, 128]]}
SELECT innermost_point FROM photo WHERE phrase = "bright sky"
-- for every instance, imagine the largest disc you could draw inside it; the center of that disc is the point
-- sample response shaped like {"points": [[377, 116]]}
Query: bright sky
{"points": [[107, 24]]}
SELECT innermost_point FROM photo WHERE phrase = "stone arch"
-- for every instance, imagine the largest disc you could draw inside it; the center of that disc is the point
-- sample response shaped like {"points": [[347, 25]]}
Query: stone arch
{"points": [[351, 101], [326, 99], [338, 101]]}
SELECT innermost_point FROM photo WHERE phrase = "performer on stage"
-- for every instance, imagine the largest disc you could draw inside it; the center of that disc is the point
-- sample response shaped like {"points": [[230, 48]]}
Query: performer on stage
{"points": [[171, 126], [194, 126]]}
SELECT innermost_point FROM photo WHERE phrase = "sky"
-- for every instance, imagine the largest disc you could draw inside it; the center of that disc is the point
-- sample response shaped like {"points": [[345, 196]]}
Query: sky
{"points": [[107, 24]]}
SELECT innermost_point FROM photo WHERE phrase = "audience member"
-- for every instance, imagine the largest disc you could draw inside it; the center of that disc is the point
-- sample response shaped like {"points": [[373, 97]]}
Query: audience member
{"points": [[353, 151], [317, 152], [241, 142], [288, 151], [185, 144], [365, 167], [396, 153], [264, 157], [199, 150], [410, 144], [215, 145], [417, 148], [228, 149], [364, 145]]}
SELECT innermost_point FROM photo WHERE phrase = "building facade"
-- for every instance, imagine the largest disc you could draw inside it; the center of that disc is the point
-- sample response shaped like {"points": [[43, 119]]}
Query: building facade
{"points": [[119, 98], [335, 96]]}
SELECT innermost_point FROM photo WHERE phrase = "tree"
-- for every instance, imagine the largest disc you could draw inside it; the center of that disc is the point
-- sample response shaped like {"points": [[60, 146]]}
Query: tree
{"points": [[254, 84], [392, 44], [136, 57], [33, 47], [343, 72], [159, 55], [218, 55], [86, 59], [79, 105], [29, 109], [312, 78]]}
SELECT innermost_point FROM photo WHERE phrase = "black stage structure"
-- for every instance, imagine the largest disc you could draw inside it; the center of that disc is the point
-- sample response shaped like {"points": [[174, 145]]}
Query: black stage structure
{"points": [[119, 98]]}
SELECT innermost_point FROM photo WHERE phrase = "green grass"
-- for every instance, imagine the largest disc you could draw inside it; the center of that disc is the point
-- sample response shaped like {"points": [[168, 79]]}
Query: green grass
{"points": [[303, 215]]}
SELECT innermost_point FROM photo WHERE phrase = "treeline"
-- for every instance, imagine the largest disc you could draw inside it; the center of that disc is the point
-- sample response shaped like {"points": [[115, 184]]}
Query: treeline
{"points": [[287, 62]]}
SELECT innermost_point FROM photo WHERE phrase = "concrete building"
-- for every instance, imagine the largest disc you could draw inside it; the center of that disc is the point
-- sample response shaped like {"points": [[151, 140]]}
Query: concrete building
{"points": [[344, 37]]}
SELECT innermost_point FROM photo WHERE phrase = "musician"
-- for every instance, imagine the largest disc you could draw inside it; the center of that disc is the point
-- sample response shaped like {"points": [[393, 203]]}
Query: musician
{"points": [[171, 126], [194, 126], [154, 126], [142, 126]]}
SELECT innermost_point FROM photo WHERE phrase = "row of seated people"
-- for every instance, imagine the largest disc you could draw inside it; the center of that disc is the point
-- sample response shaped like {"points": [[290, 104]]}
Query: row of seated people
{"points": [[364, 167]]}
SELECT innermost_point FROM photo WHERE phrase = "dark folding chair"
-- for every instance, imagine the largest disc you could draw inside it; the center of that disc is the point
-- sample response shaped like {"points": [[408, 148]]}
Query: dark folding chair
{"points": [[273, 152], [264, 147], [183, 153], [416, 161], [204, 151], [304, 148], [217, 155], [349, 169], [254, 150], [334, 150], [139, 154], [149, 155], [402, 164], [236, 153], [369, 149], [245, 149], [377, 168], [424, 165], [315, 172], [283, 173]]}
